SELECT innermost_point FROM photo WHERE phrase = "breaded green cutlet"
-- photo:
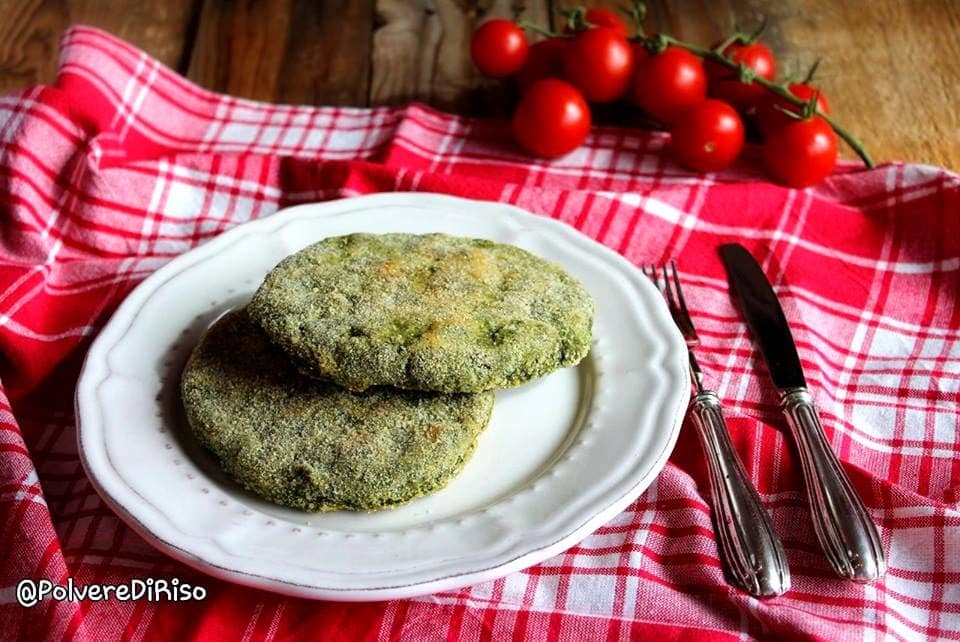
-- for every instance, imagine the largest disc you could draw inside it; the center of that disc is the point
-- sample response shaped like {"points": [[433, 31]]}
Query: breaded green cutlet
{"points": [[424, 312], [313, 445]]}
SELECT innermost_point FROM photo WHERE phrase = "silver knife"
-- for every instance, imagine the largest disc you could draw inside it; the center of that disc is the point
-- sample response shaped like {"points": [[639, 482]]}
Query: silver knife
{"points": [[847, 534]]}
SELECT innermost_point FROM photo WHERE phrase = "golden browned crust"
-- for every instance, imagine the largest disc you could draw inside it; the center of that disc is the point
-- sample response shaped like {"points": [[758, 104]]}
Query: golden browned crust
{"points": [[424, 312]]}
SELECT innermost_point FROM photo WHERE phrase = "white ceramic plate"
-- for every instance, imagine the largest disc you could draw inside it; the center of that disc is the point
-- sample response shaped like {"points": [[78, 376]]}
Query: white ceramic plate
{"points": [[560, 457]]}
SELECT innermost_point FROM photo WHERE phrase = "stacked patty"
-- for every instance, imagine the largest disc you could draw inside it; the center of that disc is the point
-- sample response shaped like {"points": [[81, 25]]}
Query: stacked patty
{"points": [[362, 372]]}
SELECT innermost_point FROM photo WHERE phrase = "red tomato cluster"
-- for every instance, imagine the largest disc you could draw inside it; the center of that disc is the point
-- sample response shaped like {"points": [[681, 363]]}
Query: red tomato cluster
{"points": [[796, 151], [559, 77], [703, 104]]}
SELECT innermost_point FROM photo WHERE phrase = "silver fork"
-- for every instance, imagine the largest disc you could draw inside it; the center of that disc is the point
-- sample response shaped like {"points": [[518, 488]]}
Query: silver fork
{"points": [[752, 552]]}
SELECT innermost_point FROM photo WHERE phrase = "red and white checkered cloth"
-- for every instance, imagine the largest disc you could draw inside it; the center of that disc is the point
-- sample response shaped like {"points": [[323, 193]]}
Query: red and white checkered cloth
{"points": [[123, 165]]}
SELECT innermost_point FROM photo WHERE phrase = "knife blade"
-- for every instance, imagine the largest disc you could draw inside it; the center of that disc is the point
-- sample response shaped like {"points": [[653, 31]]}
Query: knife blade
{"points": [[765, 317], [846, 532]]}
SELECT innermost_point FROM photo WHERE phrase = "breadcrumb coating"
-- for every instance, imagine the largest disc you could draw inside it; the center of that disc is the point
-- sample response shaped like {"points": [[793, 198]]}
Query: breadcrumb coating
{"points": [[424, 312], [312, 445]]}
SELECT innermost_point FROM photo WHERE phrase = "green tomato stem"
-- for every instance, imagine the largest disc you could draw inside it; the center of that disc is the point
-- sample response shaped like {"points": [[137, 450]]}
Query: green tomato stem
{"points": [[737, 37], [535, 28], [639, 12], [753, 37], [717, 57]]}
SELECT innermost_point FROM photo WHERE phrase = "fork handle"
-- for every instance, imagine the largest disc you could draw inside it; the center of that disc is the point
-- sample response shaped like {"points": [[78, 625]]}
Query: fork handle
{"points": [[842, 524], [751, 550]]}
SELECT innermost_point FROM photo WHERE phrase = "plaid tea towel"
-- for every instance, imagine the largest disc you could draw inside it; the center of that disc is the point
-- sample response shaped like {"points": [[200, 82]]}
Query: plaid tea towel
{"points": [[123, 165]]}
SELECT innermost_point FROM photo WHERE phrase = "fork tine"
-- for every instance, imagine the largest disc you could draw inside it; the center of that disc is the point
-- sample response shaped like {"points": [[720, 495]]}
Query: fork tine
{"points": [[671, 300], [651, 273], [684, 313], [666, 286], [680, 314]]}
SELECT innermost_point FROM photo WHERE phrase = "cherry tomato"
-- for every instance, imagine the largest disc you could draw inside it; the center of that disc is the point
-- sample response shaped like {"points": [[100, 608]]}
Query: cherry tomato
{"points": [[769, 110], [801, 153], [601, 17], [640, 54], [545, 60], [707, 137], [599, 62], [725, 82], [667, 83], [498, 48], [552, 118]]}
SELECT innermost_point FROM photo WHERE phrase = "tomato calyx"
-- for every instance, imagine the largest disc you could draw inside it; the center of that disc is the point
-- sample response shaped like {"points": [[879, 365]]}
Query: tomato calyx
{"points": [[746, 74], [774, 112], [574, 19], [809, 108], [582, 18]]}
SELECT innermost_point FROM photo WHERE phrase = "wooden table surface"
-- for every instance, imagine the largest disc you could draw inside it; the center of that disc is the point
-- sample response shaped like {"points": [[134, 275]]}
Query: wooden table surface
{"points": [[891, 68]]}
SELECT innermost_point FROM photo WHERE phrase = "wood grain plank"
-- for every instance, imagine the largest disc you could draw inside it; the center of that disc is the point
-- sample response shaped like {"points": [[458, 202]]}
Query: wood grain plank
{"points": [[421, 52], [289, 51], [892, 72], [31, 29]]}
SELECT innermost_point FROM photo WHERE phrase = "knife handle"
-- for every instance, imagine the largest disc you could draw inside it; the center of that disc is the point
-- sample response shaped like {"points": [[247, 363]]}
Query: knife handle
{"points": [[750, 548], [847, 534]]}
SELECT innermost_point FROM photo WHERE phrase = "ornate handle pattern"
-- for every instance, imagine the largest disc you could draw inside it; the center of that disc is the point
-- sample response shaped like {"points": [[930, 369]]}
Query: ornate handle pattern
{"points": [[847, 534], [751, 550]]}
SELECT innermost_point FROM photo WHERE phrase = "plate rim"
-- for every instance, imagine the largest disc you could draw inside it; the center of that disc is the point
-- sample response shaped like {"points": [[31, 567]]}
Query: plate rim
{"points": [[86, 389]]}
